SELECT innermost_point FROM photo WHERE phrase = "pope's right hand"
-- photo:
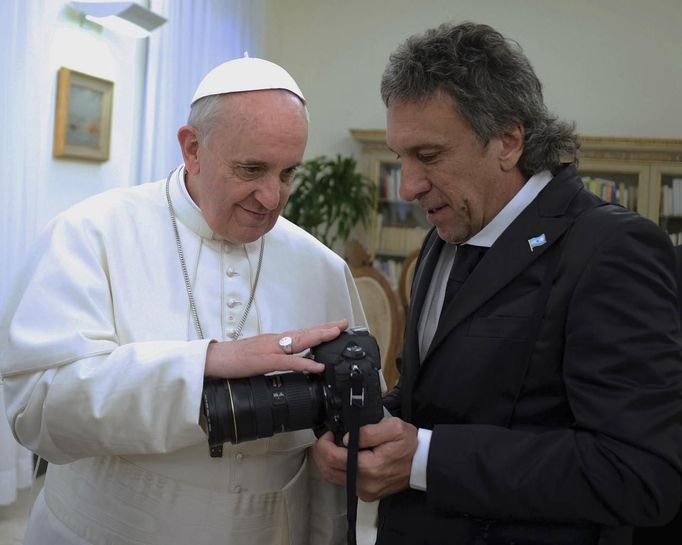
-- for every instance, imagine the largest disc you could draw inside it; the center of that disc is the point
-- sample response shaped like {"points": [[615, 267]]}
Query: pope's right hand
{"points": [[263, 354]]}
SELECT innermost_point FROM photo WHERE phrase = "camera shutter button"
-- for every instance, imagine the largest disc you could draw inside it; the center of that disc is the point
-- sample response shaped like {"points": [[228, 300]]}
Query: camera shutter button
{"points": [[354, 352]]}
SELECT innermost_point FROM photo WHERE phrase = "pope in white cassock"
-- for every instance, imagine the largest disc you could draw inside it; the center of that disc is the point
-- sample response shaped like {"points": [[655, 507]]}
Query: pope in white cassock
{"points": [[132, 297]]}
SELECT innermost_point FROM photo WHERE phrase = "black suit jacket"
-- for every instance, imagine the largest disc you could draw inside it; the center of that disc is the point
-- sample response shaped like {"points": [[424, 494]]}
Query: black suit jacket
{"points": [[678, 255], [583, 437], [671, 533]]}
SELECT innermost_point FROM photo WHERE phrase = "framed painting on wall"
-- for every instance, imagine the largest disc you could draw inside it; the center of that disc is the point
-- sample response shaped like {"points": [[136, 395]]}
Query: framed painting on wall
{"points": [[82, 128]]}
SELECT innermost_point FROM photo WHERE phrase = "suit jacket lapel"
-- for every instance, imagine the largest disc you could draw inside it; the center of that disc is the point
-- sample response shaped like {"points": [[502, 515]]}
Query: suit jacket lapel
{"points": [[422, 279], [511, 253]]}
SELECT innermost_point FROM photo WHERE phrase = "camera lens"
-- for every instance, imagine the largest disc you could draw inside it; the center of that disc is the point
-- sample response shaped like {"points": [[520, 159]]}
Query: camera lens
{"points": [[251, 408], [245, 409]]}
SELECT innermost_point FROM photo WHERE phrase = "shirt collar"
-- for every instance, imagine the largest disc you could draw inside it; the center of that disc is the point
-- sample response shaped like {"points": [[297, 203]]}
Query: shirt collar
{"points": [[489, 234], [185, 208]]}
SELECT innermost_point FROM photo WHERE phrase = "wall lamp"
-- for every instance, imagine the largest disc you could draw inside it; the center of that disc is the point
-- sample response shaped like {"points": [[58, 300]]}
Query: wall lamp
{"points": [[125, 17]]}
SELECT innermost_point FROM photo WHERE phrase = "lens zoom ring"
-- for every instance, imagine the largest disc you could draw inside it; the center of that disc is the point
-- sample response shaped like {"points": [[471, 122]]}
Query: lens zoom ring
{"points": [[262, 405], [300, 402]]}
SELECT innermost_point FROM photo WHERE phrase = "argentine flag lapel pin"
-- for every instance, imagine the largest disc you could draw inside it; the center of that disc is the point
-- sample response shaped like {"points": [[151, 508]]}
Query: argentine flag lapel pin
{"points": [[537, 241]]}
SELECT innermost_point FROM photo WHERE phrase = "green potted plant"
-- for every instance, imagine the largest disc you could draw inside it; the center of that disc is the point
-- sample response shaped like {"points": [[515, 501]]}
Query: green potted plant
{"points": [[330, 198]]}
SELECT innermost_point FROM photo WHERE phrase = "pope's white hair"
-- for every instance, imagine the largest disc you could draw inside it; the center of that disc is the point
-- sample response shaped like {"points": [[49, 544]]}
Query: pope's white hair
{"points": [[205, 113]]}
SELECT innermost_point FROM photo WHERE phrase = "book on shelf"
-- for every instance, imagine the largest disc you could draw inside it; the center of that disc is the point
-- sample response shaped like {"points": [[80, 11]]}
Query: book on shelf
{"points": [[671, 198], [390, 182], [611, 191], [400, 240]]}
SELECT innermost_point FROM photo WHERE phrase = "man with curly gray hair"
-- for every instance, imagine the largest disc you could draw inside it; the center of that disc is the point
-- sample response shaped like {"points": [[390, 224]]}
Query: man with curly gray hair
{"points": [[539, 399]]}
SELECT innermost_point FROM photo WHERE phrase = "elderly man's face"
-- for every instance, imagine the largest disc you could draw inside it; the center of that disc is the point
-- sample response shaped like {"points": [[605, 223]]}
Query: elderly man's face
{"points": [[243, 173], [460, 184]]}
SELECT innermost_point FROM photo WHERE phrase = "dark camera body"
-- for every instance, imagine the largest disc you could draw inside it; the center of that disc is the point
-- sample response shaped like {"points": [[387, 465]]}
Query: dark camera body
{"points": [[238, 410]]}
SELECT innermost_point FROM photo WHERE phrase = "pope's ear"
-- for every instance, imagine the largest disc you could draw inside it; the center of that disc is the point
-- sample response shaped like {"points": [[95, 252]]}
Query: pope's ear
{"points": [[189, 145], [512, 141]]}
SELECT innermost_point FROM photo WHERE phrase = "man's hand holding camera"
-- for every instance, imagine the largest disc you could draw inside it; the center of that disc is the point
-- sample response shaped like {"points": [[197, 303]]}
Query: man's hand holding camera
{"points": [[384, 464], [388, 446]]}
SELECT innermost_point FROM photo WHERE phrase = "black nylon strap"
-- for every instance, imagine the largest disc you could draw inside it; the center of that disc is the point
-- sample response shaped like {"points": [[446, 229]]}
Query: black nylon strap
{"points": [[357, 400]]}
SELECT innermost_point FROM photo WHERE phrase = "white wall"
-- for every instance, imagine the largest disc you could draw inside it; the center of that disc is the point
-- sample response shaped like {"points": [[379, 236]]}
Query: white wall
{"points": [[105, 55], [613, 66]]}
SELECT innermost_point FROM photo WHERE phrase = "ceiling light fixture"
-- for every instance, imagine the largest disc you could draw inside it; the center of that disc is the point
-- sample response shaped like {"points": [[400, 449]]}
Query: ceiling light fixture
{"points": [[126, 17]]}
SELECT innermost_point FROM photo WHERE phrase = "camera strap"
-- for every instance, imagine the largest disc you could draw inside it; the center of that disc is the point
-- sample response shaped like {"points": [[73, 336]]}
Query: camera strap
{"points": [[357, 401]]}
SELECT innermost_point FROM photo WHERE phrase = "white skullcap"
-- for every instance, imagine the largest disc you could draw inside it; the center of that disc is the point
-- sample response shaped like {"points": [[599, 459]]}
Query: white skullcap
{"points": [[246, 74]]}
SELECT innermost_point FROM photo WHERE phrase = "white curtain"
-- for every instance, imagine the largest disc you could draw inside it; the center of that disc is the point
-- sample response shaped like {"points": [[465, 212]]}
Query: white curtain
{"points": [[25, 109], [198, 36]]}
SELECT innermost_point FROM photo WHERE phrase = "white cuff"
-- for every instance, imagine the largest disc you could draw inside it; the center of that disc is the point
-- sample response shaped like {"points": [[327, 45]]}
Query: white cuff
{"points": [[421, 456]]}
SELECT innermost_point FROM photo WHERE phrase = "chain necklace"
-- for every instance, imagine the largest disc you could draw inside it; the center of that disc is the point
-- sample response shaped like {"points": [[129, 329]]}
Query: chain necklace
{"points": [[192, 305]]}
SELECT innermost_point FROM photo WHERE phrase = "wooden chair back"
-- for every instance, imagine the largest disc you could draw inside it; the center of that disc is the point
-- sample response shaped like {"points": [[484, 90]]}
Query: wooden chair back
{"points": [[384, 317]]}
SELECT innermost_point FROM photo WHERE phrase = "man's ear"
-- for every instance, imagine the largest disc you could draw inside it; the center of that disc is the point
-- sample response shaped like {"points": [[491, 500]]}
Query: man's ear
{"points": [[512, 141], [189, 145]]}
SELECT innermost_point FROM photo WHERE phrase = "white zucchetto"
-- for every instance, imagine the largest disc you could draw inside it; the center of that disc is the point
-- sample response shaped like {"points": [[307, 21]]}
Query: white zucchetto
{"points": [[246, 74]]}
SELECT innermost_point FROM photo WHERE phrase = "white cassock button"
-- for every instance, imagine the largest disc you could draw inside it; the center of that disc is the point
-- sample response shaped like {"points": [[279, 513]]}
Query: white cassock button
{"points": [[233, 303], [230, 318], [239, 456], [231, 272], [237, 489]]}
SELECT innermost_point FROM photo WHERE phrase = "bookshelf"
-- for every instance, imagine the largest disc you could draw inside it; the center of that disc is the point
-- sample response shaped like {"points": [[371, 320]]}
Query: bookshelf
{"points": [[398, 227], [647, 167], [644, 174], [667, 193]]}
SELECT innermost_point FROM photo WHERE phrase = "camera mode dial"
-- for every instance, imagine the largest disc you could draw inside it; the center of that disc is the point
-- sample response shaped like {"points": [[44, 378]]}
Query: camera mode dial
{"points": [[354, 352]]}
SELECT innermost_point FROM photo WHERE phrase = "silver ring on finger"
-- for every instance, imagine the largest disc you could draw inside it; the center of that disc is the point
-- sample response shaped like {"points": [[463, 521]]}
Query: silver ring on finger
{"points": [[286, 344]]}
